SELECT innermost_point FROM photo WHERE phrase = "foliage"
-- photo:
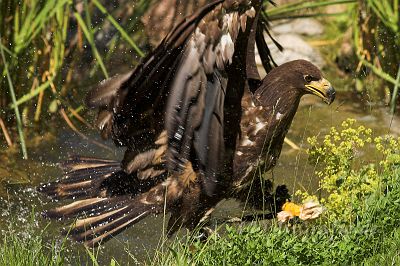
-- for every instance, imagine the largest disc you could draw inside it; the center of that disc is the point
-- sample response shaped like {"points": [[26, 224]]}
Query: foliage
{"points": [[375, 28], [376, 34], [32, 251], [43, 44], [29, 247], [303, 9], [345, 183], [361, 220]]}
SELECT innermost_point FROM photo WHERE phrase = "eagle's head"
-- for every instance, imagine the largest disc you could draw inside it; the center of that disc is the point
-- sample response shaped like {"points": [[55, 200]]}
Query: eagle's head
{"points": [[292, 80]]}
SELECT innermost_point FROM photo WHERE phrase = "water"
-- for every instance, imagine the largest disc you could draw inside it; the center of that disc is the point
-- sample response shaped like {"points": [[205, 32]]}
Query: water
{"points": [[21, 204]]}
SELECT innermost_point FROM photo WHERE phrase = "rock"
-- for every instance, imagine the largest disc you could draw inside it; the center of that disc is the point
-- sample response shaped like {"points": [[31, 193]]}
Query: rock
{"points": [[305, 26], [290, 35], [294, 48]]}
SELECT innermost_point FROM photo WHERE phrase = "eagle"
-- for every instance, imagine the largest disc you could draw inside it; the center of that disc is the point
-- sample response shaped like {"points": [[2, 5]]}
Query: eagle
{"points": [[197, 122]]}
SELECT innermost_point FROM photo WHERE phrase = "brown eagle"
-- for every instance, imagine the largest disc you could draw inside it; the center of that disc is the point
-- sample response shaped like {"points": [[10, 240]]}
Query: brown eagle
{"points": [[197, 123]]}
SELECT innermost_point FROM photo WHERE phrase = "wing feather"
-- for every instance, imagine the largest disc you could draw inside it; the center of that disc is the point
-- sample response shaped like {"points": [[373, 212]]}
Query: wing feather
{"points": [[195, 114], [182, 87]]}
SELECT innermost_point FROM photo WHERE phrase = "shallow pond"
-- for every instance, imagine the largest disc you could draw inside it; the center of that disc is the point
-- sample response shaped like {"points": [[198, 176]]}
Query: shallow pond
{"points": [[21, 205]]}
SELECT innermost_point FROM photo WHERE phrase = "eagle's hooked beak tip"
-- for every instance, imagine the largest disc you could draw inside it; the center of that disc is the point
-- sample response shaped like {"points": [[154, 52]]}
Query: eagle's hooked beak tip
{"points": [[330, 95], [323, 89]]}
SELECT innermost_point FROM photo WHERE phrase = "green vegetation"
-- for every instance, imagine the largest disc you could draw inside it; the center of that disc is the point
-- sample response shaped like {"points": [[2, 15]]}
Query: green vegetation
{"points": [[47, 47], [375, 31], [360, 223], [19, 251], [42, 43], [28, 247]]}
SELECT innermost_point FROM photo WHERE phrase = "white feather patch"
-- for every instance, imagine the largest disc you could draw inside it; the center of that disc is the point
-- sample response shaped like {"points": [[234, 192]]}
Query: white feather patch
{"points": [[247, 142], [219, 61], [251, 12], [278, 116], [227, 48], [199, 40], [233, 25], [259, 126]]}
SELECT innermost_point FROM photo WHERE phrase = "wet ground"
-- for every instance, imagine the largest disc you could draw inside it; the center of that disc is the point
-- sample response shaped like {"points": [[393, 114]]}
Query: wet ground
{"points": [[20, 204]]}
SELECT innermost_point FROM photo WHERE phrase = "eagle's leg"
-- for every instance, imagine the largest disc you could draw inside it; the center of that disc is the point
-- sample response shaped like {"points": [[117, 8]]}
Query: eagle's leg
{"points": [[271, 205], [206, 218], [205, 231]]}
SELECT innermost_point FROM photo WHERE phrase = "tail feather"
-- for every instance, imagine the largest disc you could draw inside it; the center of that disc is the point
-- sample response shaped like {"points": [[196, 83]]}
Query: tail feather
{"points": [[83, 179], [81, 162], [99, 219], [88, 174], [87, 207], [110, 228], [77, 190], [107, 199]]}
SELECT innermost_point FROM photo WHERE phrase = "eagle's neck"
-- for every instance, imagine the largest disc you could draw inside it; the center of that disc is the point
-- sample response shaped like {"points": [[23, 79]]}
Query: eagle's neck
{"points": [[277, 109], [266, 118]]}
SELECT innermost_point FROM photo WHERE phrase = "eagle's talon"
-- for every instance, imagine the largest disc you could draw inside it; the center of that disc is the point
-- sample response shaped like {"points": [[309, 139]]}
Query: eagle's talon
{"points": [[204, 233]]}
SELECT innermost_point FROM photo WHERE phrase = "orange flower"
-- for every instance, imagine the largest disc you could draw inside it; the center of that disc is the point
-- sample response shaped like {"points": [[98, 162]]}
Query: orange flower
{"points": [[291, 207], [308, 211]]}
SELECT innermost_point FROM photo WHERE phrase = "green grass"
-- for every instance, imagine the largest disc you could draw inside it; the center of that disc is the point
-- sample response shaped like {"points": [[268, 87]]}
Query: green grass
{"points": [[15, 250], [360, 224], [14, 100], [28, 247], [369, 239]]}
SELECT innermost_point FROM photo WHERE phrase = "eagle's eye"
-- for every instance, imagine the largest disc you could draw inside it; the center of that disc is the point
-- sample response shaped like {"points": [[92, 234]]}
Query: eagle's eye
{"points": [[308, 78]]}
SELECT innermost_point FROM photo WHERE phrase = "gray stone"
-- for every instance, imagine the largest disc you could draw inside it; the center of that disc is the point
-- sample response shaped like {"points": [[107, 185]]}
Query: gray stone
{"points": [[290, 35], [304, 26], [294, 48]]}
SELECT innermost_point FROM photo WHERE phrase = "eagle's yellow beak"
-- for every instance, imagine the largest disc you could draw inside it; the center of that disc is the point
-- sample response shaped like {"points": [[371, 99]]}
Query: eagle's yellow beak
{"points": [[323, 89]]}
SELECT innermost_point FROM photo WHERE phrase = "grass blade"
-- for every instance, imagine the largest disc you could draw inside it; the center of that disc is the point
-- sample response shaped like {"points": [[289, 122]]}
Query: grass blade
{"points": [[16, 110], [378, 71], [31, 94], [395, 92], [89, 38], [298, 6], [123, 33]]}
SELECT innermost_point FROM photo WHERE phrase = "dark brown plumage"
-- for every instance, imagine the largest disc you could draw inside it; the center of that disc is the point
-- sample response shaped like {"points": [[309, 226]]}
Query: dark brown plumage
{"points": [[195, 125], [163, 15]]}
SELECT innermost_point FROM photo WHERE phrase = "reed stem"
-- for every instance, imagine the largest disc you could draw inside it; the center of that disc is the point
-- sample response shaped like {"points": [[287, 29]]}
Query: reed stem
{"points": [[16, 110]]}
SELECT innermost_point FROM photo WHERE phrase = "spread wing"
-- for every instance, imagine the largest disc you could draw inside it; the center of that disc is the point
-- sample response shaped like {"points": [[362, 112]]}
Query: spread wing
{"points": [[129, 103], [192, 86], [163, 15]]}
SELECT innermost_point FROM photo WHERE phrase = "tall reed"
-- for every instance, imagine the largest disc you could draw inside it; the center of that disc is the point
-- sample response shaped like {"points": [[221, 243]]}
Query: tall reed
{"points": [[42, 43]]}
